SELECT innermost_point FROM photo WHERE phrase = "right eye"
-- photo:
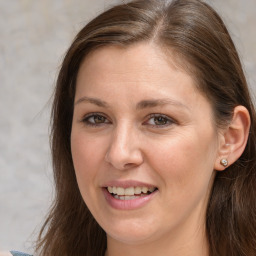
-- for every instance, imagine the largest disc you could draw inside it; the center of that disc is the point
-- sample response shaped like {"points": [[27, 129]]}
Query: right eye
{"points": [[95, 120]]}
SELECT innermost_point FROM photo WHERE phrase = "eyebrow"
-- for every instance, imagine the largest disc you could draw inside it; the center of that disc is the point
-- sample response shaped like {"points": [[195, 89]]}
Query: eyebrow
{"points": [[159, 102], [94, 101], [151, 103]]}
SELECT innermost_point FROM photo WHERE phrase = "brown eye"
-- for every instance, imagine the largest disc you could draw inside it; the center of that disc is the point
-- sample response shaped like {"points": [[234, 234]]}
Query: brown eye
{"points": [[160, 120], [95, 120], [99, 119]]}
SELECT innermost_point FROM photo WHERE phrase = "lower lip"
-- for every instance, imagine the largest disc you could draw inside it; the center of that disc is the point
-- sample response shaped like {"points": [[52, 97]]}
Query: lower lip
{"points": [[127, 204]]}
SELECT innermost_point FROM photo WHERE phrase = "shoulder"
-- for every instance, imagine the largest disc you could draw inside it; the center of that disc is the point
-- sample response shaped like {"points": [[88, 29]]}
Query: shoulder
{"points": [[16, 253], [5, 254], [13, 253]]}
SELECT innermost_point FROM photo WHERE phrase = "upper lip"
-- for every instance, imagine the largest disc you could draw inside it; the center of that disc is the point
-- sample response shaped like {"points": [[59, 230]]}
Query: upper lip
{"points": [[127, 184]]}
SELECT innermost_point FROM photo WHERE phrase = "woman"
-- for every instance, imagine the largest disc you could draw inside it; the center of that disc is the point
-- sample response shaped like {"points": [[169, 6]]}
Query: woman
{"points": [[153, 138]]}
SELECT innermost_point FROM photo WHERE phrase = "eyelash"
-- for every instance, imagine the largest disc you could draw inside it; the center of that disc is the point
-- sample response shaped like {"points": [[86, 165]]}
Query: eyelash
{"points": [[86, 121], [169, 121]]}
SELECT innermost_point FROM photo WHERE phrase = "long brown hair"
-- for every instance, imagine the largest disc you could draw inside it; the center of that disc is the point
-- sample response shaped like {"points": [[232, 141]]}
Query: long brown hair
{"points": [[204, 48]]}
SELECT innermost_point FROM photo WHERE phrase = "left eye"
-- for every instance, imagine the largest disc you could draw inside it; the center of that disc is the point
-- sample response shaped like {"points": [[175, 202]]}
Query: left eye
{"points": [[159, 120], [95, 119]]}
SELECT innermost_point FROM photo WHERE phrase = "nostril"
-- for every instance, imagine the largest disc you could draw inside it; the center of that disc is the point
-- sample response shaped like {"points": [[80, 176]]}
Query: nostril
{"points": [[129, 165]]}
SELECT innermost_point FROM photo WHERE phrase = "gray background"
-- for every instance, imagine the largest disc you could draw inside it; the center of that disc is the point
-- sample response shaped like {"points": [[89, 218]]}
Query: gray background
{"points": [[34, 35]]}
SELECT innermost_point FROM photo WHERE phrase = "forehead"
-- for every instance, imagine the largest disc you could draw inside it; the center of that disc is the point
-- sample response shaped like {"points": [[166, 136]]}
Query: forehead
{"points": [[133, 58], [138, 62], [144, 67]]}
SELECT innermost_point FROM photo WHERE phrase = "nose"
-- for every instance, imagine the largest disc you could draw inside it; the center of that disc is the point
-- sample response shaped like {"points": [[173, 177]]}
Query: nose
{"points": [[124, 151]]}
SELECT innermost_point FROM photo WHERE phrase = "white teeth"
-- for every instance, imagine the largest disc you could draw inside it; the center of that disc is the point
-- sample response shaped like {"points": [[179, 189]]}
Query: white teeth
{"points": [[144, 190], [131, 191], [125, 197], [137, 190], [120, 191], [151, 190]]}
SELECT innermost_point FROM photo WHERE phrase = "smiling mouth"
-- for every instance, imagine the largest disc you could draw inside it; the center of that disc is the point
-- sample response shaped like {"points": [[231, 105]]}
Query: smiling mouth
{"points": [[130, 193]]}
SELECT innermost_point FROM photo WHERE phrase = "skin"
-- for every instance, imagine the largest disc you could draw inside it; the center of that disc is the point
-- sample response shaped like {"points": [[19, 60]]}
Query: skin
{"points": [[176, 154]]}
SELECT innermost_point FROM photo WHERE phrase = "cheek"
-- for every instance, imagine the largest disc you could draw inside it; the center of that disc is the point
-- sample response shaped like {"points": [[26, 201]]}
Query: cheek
{"points": [[86, 150], [87, 154], [186, 172], [185, 162]]}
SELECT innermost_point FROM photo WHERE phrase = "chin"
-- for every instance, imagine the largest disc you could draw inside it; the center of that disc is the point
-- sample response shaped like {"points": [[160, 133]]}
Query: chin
{"points": [[130, 232], [132, 238]]}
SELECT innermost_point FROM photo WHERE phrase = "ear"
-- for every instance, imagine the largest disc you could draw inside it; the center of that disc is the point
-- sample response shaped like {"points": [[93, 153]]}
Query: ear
{"points": [[233, 139]]}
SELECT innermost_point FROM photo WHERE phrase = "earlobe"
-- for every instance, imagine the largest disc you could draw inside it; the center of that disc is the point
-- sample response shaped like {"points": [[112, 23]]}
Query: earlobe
{"points": [[234, 139]]}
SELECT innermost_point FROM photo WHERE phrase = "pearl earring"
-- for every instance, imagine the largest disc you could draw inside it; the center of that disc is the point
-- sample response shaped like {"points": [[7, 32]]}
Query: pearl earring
{"points": [[224, 162]]}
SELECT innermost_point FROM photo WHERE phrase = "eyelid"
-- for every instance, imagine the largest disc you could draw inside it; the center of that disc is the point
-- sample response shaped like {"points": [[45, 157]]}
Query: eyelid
{"points": [[169, 119], [91, 114]]}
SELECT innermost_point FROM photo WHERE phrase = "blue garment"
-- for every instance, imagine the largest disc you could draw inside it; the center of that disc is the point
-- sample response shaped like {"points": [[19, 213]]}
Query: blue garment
{"points": [[15, 253]]}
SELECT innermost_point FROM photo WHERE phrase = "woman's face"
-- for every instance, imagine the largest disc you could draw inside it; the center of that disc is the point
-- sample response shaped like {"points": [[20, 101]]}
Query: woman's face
{"points": [[143, 144]]}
